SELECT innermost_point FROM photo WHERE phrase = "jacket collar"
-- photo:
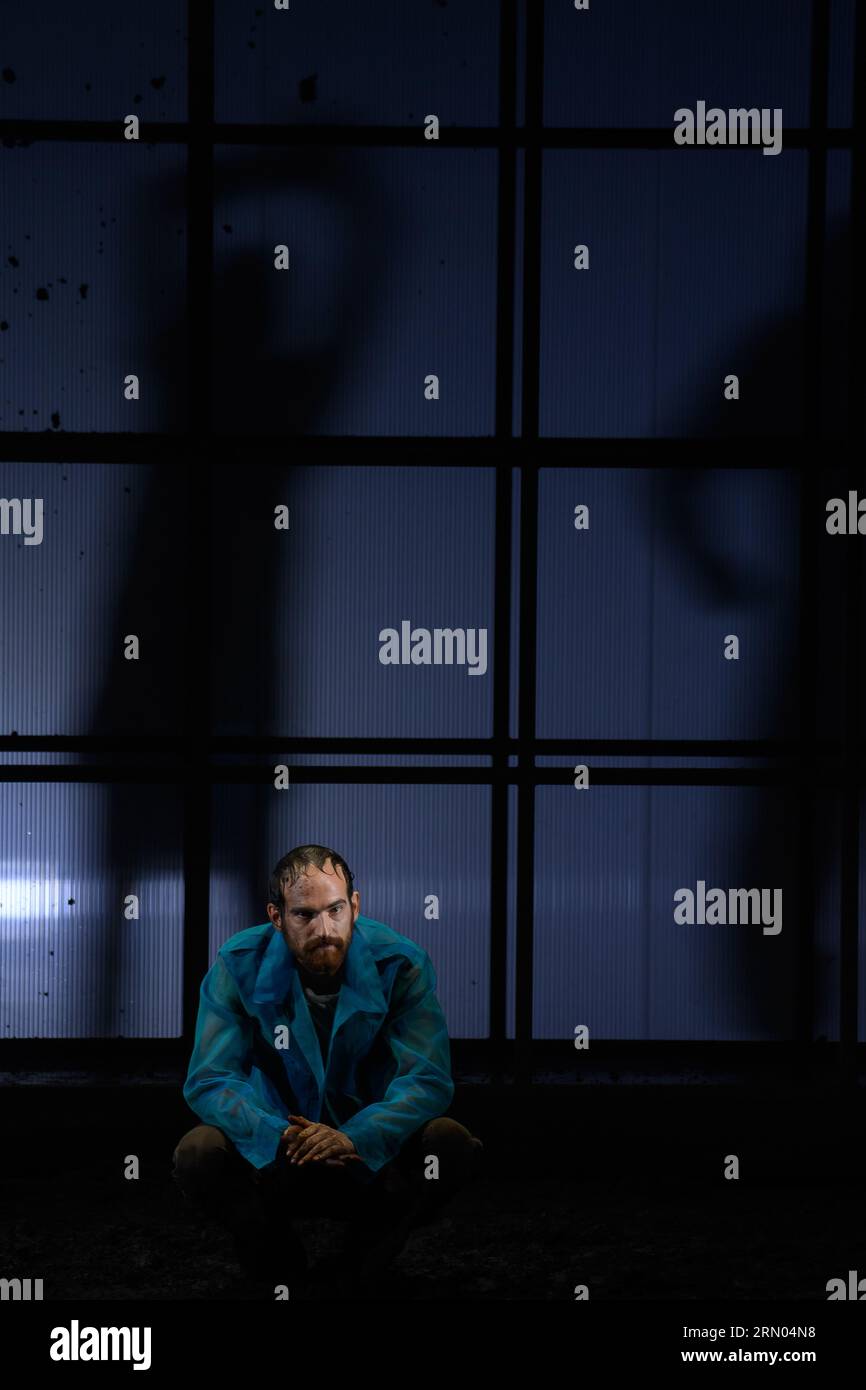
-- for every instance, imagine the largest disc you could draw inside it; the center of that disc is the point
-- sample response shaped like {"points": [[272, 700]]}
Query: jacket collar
{"points": [[279, 983], [361, 991]]}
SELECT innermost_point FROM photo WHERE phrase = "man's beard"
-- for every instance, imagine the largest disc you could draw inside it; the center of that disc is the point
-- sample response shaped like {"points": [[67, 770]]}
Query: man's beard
{"points": [[325, 963]]}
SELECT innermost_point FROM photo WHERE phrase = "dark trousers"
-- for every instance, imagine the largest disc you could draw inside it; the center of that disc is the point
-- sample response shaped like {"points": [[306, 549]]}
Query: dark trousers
{"points": [[257, 1205]]}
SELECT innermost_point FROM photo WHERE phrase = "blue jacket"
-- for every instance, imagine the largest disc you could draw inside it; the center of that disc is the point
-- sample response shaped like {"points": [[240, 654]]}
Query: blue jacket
{"points": [[388, 1069]]}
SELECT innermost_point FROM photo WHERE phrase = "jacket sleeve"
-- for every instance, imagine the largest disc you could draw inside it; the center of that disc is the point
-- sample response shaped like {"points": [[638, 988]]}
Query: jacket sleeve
{"points": [[421, 1088], [217, 1086]]}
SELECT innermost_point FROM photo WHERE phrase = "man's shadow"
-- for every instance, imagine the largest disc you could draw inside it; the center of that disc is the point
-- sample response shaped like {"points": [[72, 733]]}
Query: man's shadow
{"points": [[266, 385], [774, 399]]}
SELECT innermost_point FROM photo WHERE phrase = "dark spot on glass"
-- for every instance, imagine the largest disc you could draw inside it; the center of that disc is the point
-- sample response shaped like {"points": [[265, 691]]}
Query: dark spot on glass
{"points": [[41, 293], [13, 260], [8, 75], [82, 290], [157, 82]]}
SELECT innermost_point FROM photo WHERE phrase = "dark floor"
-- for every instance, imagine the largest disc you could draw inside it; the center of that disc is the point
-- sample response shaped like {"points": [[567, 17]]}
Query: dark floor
{"points": [[93, 1238], [618, 1186]]}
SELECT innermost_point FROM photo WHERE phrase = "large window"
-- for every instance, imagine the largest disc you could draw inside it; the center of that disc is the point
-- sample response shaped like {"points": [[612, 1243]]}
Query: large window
{"points": [[396, 339]]}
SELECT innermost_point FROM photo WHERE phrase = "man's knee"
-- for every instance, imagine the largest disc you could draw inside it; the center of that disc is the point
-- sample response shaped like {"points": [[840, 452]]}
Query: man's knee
{"points": [[202, 1151], [457, 1150]]}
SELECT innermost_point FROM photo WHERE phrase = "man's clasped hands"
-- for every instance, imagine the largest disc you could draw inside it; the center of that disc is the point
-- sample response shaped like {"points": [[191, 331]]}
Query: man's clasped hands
{"points": [[309, 1142]]}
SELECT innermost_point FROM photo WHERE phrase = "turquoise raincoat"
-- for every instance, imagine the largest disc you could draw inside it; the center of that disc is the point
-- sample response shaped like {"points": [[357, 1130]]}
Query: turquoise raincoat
{"points": [[388, 1069]]}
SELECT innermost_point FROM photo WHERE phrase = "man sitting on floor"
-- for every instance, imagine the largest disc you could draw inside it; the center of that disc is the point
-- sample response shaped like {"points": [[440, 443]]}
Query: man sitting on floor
{"points": [[320, 1070]]}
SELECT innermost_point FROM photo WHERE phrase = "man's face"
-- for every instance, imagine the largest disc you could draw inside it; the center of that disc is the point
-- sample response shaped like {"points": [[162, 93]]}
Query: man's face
{"points": [[317, 919]]}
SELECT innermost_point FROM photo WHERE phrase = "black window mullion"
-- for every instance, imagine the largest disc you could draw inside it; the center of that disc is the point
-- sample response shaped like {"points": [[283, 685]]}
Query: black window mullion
{"points": [[810, 518], [531, 338], [197, 791], [850, 855], [499, 796]]}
